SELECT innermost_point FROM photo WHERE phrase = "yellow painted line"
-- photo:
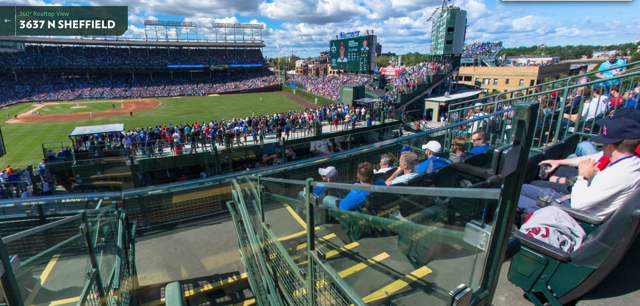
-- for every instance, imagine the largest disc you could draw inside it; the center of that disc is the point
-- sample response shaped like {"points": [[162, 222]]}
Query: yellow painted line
{"points": [[59, 302], [361, 266], [336, 252], [217, 285], [206, 288], [296, 257], [250, 302], [346, 272], [43, 278], [397, 285], [295, 216], [304, 245], [298, 234]]}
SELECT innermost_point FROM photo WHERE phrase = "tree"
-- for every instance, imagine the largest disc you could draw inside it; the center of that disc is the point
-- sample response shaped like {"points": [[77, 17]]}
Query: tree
{"points": [[382, 61]]}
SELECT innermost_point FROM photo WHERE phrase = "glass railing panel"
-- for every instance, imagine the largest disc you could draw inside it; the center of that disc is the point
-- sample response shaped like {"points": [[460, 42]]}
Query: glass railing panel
{"points": [[285, 211], [53, 262], [104, 235], [405, 245]]}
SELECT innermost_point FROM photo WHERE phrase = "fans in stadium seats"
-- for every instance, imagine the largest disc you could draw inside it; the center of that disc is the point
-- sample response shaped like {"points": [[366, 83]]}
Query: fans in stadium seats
{"points": [[458, 147], [600, 194], [355, 199], [405, 172], [479, 140], [433, 162], [386, 164]]}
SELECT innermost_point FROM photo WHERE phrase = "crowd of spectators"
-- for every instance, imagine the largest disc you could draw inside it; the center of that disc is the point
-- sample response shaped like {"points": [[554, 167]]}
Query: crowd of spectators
{"points": [[328, 86], [36, 88], [118, 56], [479, 49]]}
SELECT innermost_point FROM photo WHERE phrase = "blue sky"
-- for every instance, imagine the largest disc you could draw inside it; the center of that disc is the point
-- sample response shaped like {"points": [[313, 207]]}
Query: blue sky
{"points": [[305, 27]]}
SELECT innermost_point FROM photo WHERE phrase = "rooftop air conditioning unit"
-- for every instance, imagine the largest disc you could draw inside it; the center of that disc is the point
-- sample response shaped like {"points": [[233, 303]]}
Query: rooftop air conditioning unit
{"points": [[446, 94]]}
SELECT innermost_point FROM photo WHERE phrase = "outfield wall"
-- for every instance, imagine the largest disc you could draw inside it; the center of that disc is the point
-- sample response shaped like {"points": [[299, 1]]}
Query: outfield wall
{"points": [[271, 88]]}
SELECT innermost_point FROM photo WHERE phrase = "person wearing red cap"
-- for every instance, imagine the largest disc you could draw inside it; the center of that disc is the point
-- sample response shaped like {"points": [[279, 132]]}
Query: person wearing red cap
{"points": [[342, 59]]}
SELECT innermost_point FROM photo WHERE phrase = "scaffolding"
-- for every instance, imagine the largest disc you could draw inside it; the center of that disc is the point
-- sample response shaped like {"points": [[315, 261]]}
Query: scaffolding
{"points": [[170, 30], [238, 32]]}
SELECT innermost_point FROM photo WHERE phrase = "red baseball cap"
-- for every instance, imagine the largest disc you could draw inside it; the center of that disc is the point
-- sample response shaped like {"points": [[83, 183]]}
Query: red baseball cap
{"points": [[342, 44]]}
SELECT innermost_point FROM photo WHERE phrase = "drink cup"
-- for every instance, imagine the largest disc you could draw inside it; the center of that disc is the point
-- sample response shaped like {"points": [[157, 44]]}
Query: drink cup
{"points": [[545, 196], [545, 171]]}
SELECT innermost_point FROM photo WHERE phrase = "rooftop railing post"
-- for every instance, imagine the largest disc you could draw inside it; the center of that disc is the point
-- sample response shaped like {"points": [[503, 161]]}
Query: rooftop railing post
{"points": [[85, 231], [8, 278], [508, 202], [311, 282]]}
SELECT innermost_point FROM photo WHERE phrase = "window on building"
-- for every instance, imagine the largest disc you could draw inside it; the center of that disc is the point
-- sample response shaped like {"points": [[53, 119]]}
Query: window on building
{"points": [[506, 82], [467, 78], [533, 82], [486, 81], [521, 82], [450, 29], [449, 42], [477, 80], [495, 81]]}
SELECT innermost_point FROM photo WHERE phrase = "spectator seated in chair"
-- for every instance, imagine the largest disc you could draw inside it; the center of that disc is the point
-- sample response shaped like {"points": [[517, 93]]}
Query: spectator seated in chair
{"points": [[599, 192], [355, 199], [479, 140], [433, 162], [405, 171], [329, 175], [386, 164], [458, 146], [565, 171]]}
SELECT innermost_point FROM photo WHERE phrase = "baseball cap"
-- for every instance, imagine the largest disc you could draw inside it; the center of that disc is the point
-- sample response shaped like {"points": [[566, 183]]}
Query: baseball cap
{"points": [[623, 113], [616, 130], [328, 171], [433, 146], [342, 44], [405, 149]]}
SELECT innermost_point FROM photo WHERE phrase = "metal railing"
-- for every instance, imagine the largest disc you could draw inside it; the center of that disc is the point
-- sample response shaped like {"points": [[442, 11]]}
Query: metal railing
{"points": [[572, 109], [81, 239]]}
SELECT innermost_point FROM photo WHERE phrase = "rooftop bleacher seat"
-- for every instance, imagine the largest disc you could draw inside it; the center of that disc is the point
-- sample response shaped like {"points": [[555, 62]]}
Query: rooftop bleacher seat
{"points": [[562, 277]]}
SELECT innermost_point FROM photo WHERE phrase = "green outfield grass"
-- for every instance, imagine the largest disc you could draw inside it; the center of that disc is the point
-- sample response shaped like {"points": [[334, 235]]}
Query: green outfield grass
{"points": [[23, 140], [66, 107]]}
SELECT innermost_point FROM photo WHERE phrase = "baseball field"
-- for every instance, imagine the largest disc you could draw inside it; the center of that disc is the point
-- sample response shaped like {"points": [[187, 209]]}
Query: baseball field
{"points": [[23, 137]]}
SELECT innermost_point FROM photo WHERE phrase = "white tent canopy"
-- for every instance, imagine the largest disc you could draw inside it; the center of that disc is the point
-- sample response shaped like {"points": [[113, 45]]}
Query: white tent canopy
{"points": [[97, 129]]}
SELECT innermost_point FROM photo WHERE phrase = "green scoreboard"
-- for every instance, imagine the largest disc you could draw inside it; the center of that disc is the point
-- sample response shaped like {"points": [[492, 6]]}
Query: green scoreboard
{"points": [[353, 54], [448, 32]]}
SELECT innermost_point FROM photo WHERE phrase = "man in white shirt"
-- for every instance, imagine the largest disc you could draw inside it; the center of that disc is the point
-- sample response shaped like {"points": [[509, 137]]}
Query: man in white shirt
{"points": [[592, 109], [408, 160], [386, 164], [603, 193], [322, 147]]}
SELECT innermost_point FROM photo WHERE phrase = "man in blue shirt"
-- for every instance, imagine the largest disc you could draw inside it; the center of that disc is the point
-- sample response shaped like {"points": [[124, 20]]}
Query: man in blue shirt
{"points": [[433, 162], [329, 175], [479, 141], [613, 62], [355, 199]]}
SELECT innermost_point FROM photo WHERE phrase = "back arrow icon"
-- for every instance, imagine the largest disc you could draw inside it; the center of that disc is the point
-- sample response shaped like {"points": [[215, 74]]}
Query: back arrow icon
{"points": [[6, 20]]}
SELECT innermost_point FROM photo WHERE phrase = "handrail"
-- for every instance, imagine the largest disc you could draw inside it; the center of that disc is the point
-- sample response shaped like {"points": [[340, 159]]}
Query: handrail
{"points": [[466, 193], [552, 82]]}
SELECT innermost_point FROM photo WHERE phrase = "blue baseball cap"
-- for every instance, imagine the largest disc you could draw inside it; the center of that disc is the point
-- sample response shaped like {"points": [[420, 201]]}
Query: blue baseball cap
{"points": [[617, 130], [405, 149]]}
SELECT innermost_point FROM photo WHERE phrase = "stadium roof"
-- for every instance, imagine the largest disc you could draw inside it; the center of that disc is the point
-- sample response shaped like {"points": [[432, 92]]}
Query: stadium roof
{"points": [[127, 43], [97, 129], [456, 96]]}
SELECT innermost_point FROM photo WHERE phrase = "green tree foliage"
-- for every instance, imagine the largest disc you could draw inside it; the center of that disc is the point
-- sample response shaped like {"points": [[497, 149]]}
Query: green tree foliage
{"points": [[409, 59], [568, 52]]}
